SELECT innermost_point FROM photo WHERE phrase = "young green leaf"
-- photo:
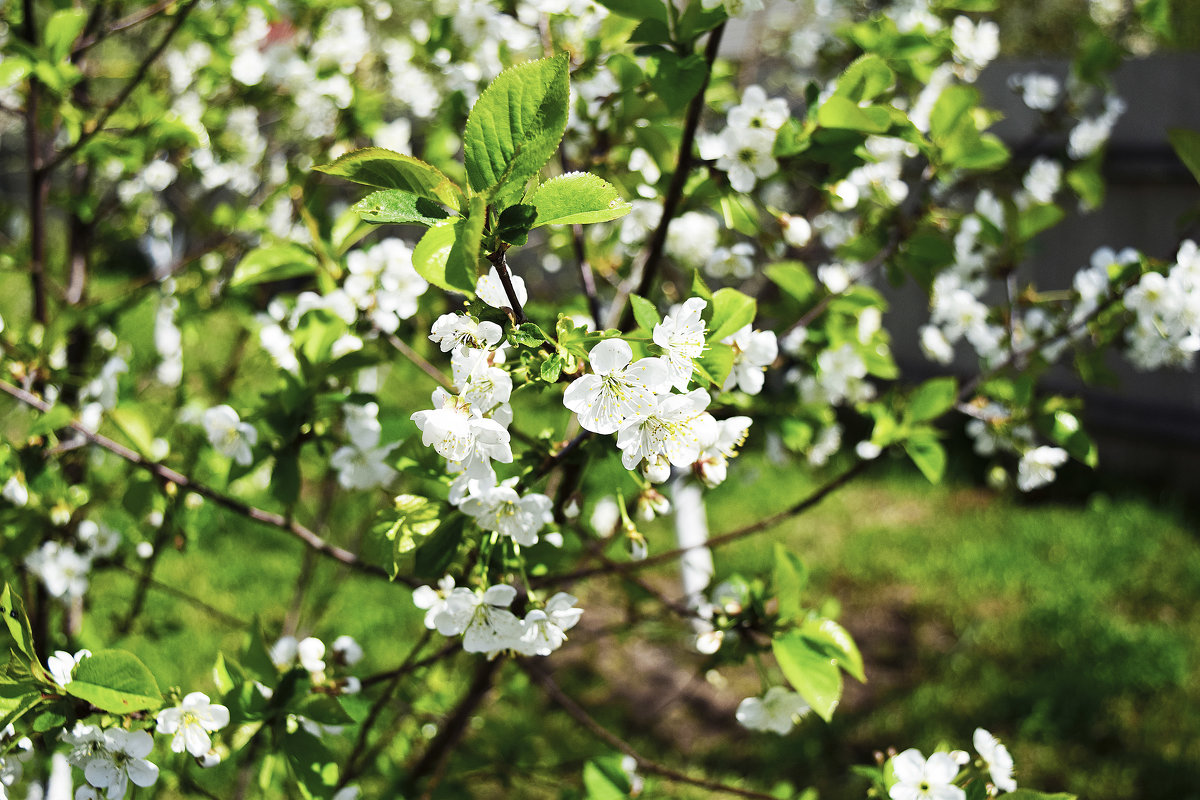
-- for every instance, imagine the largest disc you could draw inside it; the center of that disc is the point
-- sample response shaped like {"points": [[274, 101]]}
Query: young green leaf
{"points": [[794, 278], [732, 311], [395, 205], [928, 454], [62, 28], [842, 113], [836, 642], [644, 312], [790, 577], [448, 253], [810, 672], [675, 79], [383, 169], [577, 198], [516, 126], [865, 79], [13, 609], [1187, 146], [934, 398], [115, 681], [515, 223], [274, 263]]}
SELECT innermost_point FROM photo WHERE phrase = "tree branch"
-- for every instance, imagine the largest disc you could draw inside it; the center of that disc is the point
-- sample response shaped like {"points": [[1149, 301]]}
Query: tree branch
{"points": [[136, 18], [165, 473], [580, 715], [501, 264], [643, 277]]}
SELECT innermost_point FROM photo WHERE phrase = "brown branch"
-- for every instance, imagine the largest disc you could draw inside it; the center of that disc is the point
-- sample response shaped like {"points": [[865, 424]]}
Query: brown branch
{"points": [[167, 588], [136, 18], [501, 264], [165, 473], [416, 358], [433, 760], [184, 8], [729, 537], [580, 715], [39, 184], [644, 276]]}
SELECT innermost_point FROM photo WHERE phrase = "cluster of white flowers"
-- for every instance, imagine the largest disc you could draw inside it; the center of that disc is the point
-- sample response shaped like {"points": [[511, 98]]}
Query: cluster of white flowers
{"points": [[918, 777], [878, 179], [110, 759], [487, 625], [228, 435], [1166, 331], [1091, 133], [1039, 91], [362, 463], [62, 570], [311, 654], [383, 283], [744, 149], [975, 45]]}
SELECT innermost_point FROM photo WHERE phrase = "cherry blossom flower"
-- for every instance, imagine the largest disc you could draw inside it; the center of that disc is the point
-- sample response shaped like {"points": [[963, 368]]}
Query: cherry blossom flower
{"points": [[459, 432], [747, 156], [619, 391], [682, 337], [190, 723], [229, 435], [997, 759], [490, 290], [918, 778], [1037, 466], [675, 429], [502, 509], [62, 664], [753, 352], [492, 627], [112, 758], [363, 468], [451, 331], [544, 630], [758, 111], [775, 711]]}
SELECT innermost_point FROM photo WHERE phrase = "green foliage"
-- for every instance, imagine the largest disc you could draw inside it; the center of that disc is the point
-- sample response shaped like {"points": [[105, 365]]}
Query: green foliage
{"points": [[395, 205], [577, 198], [383, 169], [115, 681]]}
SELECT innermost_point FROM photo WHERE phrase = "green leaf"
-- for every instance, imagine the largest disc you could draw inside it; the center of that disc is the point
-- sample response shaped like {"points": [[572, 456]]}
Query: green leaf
{"points": [[448, 254], [789, 577], [20, 706], [13, 609], [1088, 183], [313, 766], [865, 79], [1038, 218], [676, 79], [438, 550], [603, 782], [411, 520], [1187, 146], [384, 169], [794, 278], [274, 263], [644, 312], [810, 672], [951, 113], [324, 709], [62, 29], [699, 287], [836, 642], [716, 363], [115, 681], [527, 334], [792, 139], [552, 368], [395, 205], [732, 311], [1030, 794], [928, 454], [59, 416], [637, 9], [577, 198], [516, 126], [934, 398], [841, 113], [514, 224]]}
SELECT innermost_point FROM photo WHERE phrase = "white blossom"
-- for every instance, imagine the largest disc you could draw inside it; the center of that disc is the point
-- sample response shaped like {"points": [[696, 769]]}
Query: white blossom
{"points": [[918, 778], [1037, 466], [229, 435], [674, 429], [490, 290], [618, 391], [775, 711], [62, 664], [681, 336], [190, 723], [502, 509], [544, 630], [997, 759], [753, 352]]}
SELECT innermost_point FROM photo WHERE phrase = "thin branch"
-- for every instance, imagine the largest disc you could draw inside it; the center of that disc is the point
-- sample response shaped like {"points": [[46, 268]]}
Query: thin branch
{"points": [[580, 715], [39, 185], [165, 473], [860, 466], [416, 358], [433, 761], [501, 264], [167, 588], [450, 648], [184, 8], [644, 276], [136, 18]]}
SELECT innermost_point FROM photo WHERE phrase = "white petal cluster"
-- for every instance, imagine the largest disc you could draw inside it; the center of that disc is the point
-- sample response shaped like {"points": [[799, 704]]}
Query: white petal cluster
{"points": [[975, 45], [918, 778], [744, 148], [1166, 330], [383, 283], [1092, 133], [996, 759], [362, 463], [452, 331], [503, 510], [681, 336], [191, 723], [110, 759], [619, 390], [753, 352], [62, 664], [719, 442], [675, 429], [459, 432], [62, 570], [229, 435], [1037, 466], [776, 711], [1038, 90], [487, 625], [490, 290]]}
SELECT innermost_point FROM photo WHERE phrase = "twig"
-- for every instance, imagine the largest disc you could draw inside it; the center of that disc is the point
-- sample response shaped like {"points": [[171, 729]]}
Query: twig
{"points": [[39, 184], [580, 715], [124, 23], [433, 761], [359, 750], [184, 482], [808, 502], [415, 357], [643, 277], [167, 588], [184, 8], [501, 264], [447, 650]]}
